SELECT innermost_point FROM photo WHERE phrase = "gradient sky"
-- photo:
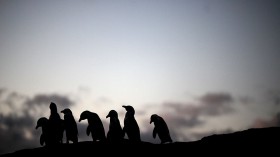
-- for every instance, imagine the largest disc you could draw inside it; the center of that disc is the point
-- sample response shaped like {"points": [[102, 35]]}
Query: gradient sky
{"points": [[205, 66]]}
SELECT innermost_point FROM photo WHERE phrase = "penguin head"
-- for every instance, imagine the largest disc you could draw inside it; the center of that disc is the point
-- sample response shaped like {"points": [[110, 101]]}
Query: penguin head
{"points": [[154, 118], [84, 115], [112, 113], [67, 111], [129, 109], [53, 107], [41, 122]]}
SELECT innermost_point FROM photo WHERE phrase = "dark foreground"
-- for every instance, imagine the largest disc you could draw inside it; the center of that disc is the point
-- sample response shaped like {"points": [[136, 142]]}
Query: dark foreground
{"points": [[255, 140]]}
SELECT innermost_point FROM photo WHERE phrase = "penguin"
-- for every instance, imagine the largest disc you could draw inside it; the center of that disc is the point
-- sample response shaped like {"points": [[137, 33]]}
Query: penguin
{"points": [[55, 125], [95, 125], [115, 133], [70, 126], [44, 138], [131, 127], [160, 128]]}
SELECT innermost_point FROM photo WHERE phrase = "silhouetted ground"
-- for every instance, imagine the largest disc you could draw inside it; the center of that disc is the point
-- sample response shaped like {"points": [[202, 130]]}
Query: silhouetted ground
{"points": [[255, 140]]}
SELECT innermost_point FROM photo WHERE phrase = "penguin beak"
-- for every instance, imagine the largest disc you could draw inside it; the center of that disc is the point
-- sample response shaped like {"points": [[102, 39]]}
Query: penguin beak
{"points": [[151, 122], [108, 116], [124, 106], [62, 111], [80, 120], [36, 127]]}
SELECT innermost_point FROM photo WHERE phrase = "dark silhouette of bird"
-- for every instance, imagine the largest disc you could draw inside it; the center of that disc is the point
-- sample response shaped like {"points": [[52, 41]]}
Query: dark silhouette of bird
{"points": [[115, 133], [43, 123], [70, 126], [55, 125], [95, 125], [160, 128], [131, 127]]}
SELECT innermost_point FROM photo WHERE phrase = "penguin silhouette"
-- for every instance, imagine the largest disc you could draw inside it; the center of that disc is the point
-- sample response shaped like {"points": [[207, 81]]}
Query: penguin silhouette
{"points": [[115, 133], [95, 125], [131, 127], [160, 128], [70, 126], [55, 125], [43, 123]]}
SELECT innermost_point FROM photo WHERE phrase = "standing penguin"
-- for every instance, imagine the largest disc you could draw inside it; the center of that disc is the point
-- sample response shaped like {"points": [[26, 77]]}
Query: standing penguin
{"points": [[44, 138], [160, 128], [115, 133], [55, 125], [95, 125], [70, 126], [131, 127]]}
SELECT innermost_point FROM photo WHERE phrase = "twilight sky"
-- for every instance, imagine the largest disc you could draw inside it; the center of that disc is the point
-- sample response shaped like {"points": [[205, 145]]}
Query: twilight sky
{"points": [[205, 66]]}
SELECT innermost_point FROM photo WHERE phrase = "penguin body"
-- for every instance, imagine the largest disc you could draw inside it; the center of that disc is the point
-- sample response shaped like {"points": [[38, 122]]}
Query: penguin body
{"points": [[160, 129], [115, 133], [70, 126], [131, 127], [43, 123], [55, 125], [95, 125]]}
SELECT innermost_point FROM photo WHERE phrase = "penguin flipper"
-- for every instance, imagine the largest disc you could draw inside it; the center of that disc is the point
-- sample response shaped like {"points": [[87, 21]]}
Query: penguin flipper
{"points": [[88, 130], [42, 139], [123, 132], [154, 133]]}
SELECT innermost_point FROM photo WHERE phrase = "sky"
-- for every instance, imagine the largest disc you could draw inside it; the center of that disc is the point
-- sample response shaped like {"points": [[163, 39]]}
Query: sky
{"points": [[205, 66]]}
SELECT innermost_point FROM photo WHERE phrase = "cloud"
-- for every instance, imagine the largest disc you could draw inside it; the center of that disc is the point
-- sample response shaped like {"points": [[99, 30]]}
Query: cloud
{"points": [[245, 100], [12, 121], [84, 89], [103, 100], [182, 116], [44, 99], [2, 91], [176, 125], [18, 116], [11, 103], [211, 104], [177, 121], [273, 122], [274, 96], [216, 98], [214, 104], [13, 99], [184, 119], [17, 131], [19, 104], [187, 109]]}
